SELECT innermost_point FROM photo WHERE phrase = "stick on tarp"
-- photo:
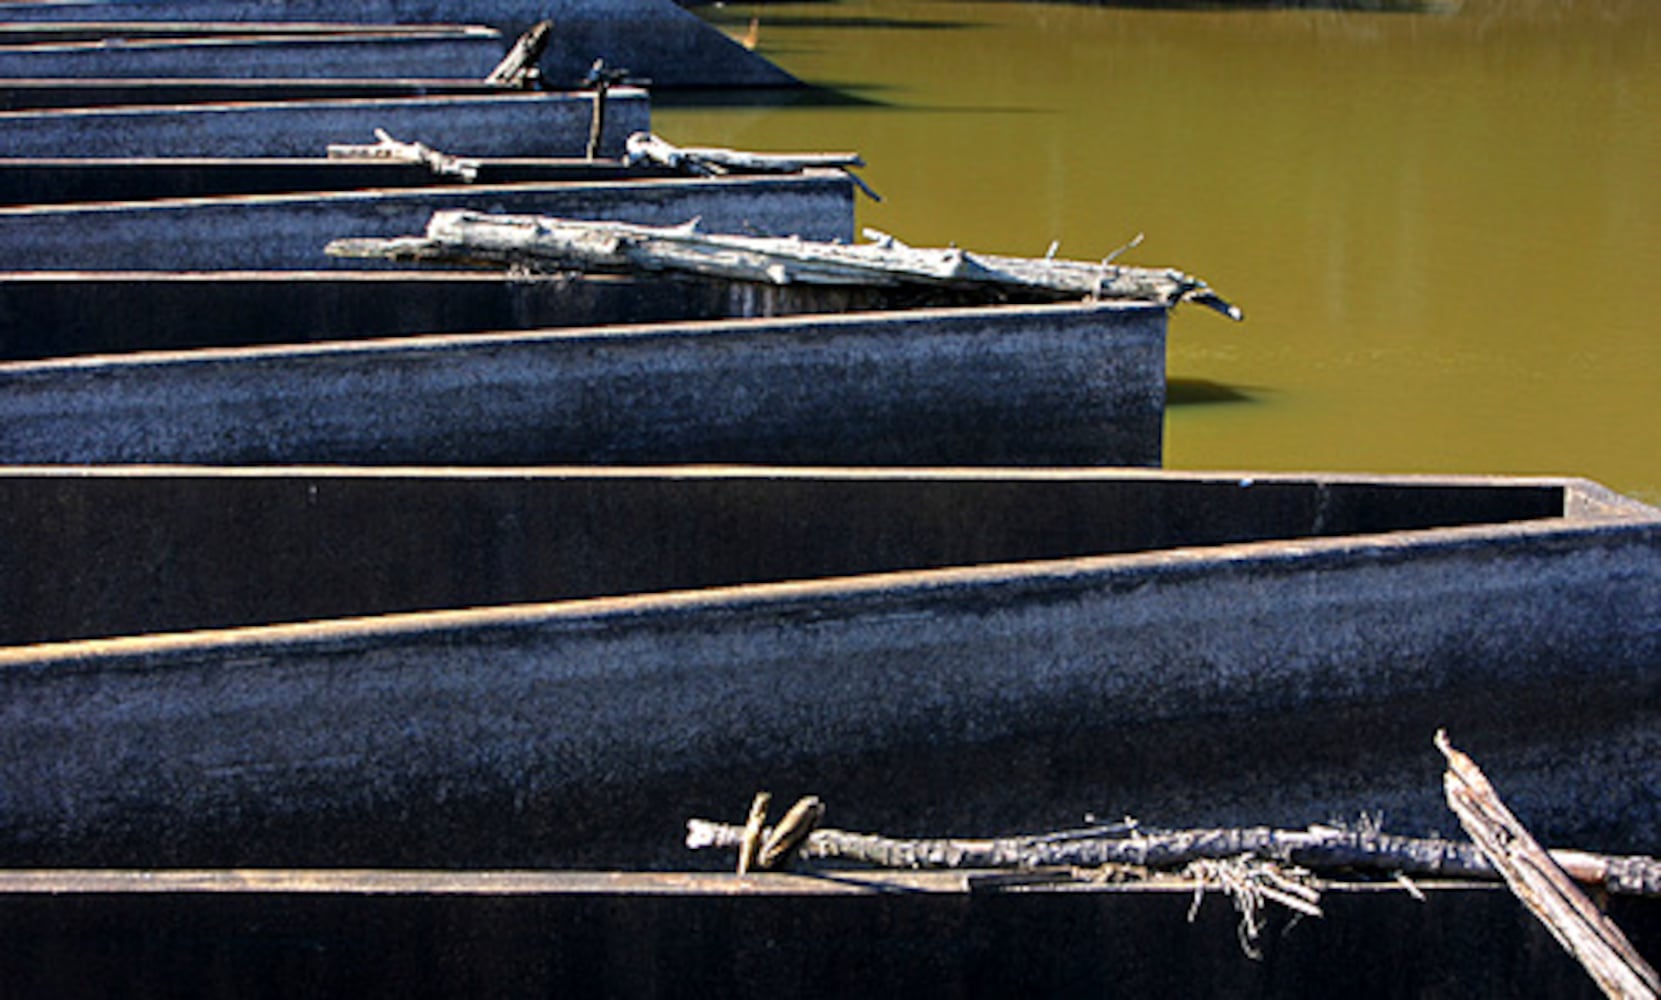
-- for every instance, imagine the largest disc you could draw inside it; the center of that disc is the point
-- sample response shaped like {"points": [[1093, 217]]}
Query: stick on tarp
{"points": [[1542, 884], [1323, 849]]}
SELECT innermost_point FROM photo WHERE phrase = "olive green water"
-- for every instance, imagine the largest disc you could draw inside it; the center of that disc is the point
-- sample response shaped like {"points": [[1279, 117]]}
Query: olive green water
{"points": [[1445, 228]]}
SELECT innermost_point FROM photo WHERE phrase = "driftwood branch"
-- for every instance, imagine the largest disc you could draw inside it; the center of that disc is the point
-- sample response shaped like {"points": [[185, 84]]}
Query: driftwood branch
{"points": [[1542, 883], [388, 148], [518, 69], [459, 237], [1318, 848], [708, 161], [644, 147]]}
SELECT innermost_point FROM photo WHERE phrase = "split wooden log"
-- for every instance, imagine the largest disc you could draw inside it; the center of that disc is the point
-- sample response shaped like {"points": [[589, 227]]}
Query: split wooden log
{"points": [[388, 148], [1318, 848], [1542, 884], [471, 238], [518, 69]]}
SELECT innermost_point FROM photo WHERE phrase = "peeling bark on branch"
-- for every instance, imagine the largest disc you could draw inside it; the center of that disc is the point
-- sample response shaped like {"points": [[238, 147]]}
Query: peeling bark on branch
{"points": [[460, 237]]}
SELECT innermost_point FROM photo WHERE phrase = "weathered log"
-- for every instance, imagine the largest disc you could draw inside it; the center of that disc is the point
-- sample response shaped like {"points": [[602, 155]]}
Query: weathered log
{"points": [[388, 148], [1318, 848], [459, 237], [518, 69], [1542, 884]]}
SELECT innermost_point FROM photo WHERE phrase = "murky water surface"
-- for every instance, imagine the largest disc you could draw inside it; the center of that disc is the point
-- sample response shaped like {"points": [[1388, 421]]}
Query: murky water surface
{"points": [[1445, 227]]}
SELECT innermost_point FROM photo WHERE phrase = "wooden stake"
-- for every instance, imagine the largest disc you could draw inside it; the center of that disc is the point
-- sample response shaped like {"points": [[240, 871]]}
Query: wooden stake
{"points": [[597, 120], [1543, 886], [602, 78], [749, 848]]}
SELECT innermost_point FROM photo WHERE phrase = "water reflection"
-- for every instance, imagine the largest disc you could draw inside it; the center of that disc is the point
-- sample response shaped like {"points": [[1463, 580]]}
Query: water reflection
{"points": [[1440, 227]]}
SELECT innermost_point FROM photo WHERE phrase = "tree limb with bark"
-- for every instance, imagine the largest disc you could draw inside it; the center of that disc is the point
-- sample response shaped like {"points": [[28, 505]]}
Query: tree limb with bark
{"points": [[1323, 849]]}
